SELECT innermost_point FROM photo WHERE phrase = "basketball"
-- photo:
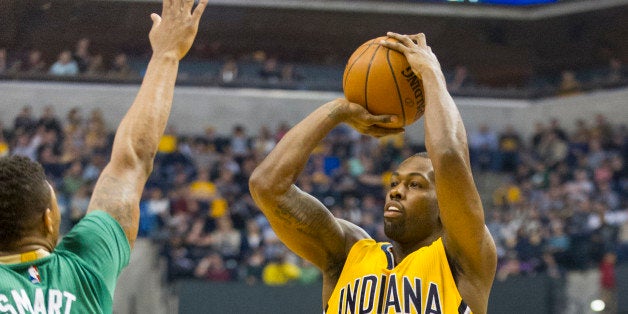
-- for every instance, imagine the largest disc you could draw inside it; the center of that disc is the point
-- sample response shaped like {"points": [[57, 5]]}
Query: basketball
{"points": [[381, 80]]}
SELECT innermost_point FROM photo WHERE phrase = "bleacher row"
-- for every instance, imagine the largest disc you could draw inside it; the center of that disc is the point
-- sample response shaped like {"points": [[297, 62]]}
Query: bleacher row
{"points": [[563, 206]]}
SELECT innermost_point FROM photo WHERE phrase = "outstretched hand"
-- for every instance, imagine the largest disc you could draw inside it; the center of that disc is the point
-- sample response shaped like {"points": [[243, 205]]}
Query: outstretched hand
{"points": [[364, 122], [174, 31], [415, 49]]}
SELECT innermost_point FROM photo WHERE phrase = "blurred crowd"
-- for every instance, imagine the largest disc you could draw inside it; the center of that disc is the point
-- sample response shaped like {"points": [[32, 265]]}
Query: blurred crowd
{"points": [[79, 61], [559, 202], [210, 64]]}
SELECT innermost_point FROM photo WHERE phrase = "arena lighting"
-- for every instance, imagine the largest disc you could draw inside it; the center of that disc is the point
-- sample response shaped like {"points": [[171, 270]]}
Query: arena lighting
{"points": [[597, 305]]}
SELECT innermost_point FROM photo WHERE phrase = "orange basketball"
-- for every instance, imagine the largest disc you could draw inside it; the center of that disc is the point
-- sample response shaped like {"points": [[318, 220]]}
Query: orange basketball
{"points": [[381, 80]]}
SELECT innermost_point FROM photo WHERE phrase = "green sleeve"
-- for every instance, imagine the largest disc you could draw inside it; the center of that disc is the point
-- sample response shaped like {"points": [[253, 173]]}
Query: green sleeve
{"points": [[101, 243]]}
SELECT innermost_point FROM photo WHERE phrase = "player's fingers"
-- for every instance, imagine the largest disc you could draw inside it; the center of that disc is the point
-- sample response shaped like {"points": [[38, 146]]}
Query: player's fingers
{"points": [[383, 119], [414, 37], [187, 5], [393, 45], [167, 4], [156, 19], [198, 11], [404, 39], [379, 131], [420, 39]]}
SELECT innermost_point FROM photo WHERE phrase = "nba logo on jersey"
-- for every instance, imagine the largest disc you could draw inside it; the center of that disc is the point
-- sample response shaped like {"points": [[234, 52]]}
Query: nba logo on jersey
{"points": [[33, 275]]}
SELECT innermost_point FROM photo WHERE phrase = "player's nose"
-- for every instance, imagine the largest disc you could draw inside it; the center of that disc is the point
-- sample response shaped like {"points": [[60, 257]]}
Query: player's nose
{"points": [[395, 193]]}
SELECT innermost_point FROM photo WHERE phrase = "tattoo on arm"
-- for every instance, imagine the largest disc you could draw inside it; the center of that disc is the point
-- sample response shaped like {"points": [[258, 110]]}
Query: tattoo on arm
{"points": [[303, 213]]}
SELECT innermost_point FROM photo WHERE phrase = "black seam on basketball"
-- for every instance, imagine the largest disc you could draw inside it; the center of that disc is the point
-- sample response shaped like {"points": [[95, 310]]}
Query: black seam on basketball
{"points": [[366, 80], [403, 109], [346, 75]]}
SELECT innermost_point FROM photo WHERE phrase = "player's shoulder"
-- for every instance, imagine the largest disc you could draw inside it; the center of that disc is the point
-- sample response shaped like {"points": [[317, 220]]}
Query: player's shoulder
{"points": [[352, 232]]}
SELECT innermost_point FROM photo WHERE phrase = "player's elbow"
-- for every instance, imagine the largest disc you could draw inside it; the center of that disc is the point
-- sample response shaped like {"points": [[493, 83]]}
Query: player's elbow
{"points": [[264, 184], [448, 156], [259, 184], [134, 157]]}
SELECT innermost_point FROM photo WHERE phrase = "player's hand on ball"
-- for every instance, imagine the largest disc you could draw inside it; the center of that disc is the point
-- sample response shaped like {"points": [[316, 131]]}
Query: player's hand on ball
{"points": [[364, 122], [415, 49]]}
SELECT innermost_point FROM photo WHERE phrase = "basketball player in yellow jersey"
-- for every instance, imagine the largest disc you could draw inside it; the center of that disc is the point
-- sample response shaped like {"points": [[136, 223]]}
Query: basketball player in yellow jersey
{"points": [[441, 259]]}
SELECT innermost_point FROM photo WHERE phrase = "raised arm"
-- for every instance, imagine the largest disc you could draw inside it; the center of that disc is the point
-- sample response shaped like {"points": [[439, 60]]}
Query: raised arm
{"points": [[300, 221], [119, 188], [466, 237]]}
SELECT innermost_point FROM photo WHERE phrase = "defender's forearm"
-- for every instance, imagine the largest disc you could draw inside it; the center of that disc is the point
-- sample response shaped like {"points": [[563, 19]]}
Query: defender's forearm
{"points": [[142, 127]]}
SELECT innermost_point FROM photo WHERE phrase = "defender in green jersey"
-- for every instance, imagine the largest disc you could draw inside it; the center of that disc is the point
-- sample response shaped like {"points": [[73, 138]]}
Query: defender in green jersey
{"points": [[39, 274]]}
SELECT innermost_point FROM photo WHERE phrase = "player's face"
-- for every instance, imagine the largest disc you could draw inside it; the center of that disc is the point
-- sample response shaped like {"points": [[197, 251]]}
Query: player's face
{"points": [[411, 210]]}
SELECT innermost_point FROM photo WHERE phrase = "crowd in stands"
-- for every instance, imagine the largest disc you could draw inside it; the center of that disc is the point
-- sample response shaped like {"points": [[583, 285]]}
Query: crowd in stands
{"points": [[209, 64], [562, 204], [79, 62]]}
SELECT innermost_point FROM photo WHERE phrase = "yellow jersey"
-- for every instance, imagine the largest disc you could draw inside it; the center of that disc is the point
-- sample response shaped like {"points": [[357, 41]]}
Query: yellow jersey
{"points": [[370, 282]]}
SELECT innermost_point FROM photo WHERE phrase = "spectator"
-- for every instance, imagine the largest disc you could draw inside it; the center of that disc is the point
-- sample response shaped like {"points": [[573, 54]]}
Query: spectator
{"points": [[94, 167], [226, 240], [602, 130], [158, 205], [96, 66], [552, 149], [270, 71], [120, 67], [65, 65], [264, 142], [78, 203], [483, 145], [615, 73], [309, 273], [510, 145], [4, 61], [74, 128], [557, 128], [82, 55], [33, 64], [537, 135], [253, 237], [229, 70], [5, 149], [96, 138], [254, 267], [27, 145], [212, 268], [168, 142], [50, 122], [289, 74], [460, 80], [569, 84], [281, 271], [24, 122], [608, 282], [239, 143]]}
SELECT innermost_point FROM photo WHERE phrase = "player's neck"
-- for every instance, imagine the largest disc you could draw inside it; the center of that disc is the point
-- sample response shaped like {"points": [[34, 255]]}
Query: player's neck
{"points": [[24, 257], [27, 244], [401, 250]]}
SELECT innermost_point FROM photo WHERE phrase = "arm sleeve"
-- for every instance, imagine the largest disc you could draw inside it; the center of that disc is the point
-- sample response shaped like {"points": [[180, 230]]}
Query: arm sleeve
{"points": [[101, 243]]}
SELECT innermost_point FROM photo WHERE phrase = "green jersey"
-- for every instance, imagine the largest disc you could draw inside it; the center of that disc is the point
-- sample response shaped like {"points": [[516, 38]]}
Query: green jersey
{"points": [[78, 277]]}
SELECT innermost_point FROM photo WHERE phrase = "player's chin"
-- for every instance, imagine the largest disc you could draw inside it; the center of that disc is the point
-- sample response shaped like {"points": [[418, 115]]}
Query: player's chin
{"points": [[392, 230]]}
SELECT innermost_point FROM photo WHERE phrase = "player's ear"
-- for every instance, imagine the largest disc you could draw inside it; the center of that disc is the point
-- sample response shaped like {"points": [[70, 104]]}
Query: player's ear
{"points": [[48, 221]]}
